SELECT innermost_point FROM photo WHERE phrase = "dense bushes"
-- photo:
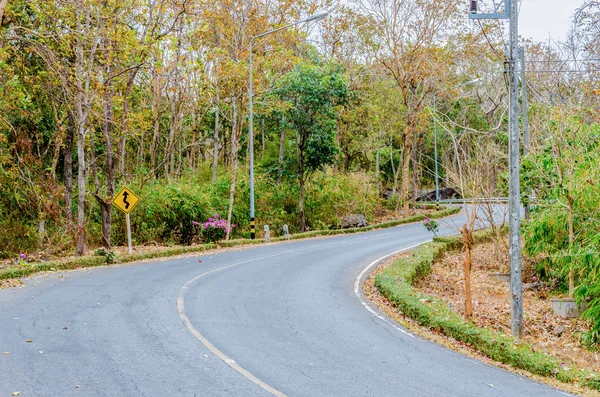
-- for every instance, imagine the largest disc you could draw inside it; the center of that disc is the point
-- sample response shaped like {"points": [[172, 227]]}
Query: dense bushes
{"points": [[328, 200], [167, 210], [564, 227], [16, 235]]}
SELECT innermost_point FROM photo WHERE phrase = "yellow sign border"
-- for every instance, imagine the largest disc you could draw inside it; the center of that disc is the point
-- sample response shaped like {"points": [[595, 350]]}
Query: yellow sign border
{"points": [[123, 190]]}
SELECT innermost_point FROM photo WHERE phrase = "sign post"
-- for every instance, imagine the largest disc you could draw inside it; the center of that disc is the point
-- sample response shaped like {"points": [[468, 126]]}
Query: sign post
{"points": [[126, 200], [128, 221]]}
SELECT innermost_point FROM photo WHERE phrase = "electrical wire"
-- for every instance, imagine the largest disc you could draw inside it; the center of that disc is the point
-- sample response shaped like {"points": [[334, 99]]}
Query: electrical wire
{"points": [[567, 60], [488, 40]]}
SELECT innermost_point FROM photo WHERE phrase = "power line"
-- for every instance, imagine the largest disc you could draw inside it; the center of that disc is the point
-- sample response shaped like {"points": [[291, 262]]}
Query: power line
{"points": [[567, 60], [564, 71], [488, 40]]}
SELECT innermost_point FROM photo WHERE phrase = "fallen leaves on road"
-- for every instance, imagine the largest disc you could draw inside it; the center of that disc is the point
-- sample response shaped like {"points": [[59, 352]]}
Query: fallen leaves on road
{"points": [[10, 283]]}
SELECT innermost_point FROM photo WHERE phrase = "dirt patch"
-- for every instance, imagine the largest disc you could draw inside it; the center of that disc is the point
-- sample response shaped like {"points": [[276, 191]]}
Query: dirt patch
{"points": [[557, 336]]}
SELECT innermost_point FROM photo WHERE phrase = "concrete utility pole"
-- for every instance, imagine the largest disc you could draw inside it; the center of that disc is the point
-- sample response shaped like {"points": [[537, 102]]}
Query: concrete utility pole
{"points": [[514, 193], [511, 12]]}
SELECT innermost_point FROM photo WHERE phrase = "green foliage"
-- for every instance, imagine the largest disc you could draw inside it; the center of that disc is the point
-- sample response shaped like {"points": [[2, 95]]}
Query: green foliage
{"points": [[312, 94], [167, 211], [16, 236], [431, 225], [328, 199], [563, 170], [109, 256]]}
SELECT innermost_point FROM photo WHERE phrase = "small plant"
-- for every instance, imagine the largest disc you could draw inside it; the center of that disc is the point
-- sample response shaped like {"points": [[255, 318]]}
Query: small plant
{"points": [[215, 229], [22, 259], [109, 256], [431, 225]]}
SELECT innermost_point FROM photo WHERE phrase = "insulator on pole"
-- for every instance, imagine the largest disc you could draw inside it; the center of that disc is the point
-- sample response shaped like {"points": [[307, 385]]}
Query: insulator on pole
{"points": [[474, 7]]}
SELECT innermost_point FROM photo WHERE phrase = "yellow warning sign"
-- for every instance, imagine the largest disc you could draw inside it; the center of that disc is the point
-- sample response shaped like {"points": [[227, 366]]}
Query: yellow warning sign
{"points": [[126, 200]]}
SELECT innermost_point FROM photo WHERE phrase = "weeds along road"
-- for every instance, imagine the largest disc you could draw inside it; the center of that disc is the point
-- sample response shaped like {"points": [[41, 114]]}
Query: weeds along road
{"points": [[281, 319]]}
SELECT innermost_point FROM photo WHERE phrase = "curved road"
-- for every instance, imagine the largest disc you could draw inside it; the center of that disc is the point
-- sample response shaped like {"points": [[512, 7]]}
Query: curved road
{"points": [[281, 319]]}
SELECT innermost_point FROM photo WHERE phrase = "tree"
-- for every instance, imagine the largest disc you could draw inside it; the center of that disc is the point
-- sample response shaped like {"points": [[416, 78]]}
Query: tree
{"points": [[564, 169], [410, 38], [312, 93]]}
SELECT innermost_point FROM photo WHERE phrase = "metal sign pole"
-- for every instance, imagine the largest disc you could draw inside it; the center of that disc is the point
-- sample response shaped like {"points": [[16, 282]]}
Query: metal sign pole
{"points": [[128, 233]]}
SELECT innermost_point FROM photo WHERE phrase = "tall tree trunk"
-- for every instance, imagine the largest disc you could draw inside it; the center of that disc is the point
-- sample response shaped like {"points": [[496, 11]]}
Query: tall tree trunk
{"points": [[109, 168], [92, 162], [81, 190], [301, 202], [84, 72], [2, 8], [172, 137], [234, 157], [122, 153], [68, 166], [406, 171], [180, 156], [415, 176], [156, 116]]}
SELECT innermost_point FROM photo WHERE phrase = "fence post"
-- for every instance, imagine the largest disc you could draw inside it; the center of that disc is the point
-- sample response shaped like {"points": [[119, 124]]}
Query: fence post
{"points": [[286, 232]]}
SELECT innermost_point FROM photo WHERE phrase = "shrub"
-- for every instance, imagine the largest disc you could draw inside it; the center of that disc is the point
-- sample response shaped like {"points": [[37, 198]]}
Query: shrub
{"points": [[215, 229], [431, 225], [109, 256]]}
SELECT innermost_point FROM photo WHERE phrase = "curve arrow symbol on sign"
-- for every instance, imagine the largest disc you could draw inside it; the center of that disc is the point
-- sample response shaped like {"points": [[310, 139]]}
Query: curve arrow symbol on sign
{"points": [[125, 195]]}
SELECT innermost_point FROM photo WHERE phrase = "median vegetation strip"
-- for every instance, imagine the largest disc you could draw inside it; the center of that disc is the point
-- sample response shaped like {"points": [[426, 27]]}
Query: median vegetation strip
{"points": [[395, 284], [102, 258]]}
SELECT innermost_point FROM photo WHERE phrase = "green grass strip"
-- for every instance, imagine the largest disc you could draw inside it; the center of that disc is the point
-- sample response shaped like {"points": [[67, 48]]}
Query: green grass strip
{"points": [[396, 281]]}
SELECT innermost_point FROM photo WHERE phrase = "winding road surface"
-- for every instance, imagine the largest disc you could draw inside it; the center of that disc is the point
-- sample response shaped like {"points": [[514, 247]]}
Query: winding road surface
{"points": [[280, 319]]}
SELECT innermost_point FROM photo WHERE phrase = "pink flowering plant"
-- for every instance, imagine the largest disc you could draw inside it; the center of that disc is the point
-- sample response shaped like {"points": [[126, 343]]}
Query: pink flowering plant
{"points": [[215, 229], [431, 225]]}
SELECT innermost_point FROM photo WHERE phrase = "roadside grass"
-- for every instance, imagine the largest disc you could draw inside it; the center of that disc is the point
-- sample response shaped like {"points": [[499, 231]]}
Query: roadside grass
{"points": [[28, 269], [395, 283]]}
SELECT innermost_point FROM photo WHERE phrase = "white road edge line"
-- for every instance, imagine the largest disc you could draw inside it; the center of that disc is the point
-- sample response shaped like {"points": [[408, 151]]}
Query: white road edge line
{"points": [[357, 285], [206, 342]]}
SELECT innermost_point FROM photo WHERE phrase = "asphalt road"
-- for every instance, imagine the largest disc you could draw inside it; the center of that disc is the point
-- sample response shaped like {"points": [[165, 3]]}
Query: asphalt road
{"points": [[281, 319]]}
